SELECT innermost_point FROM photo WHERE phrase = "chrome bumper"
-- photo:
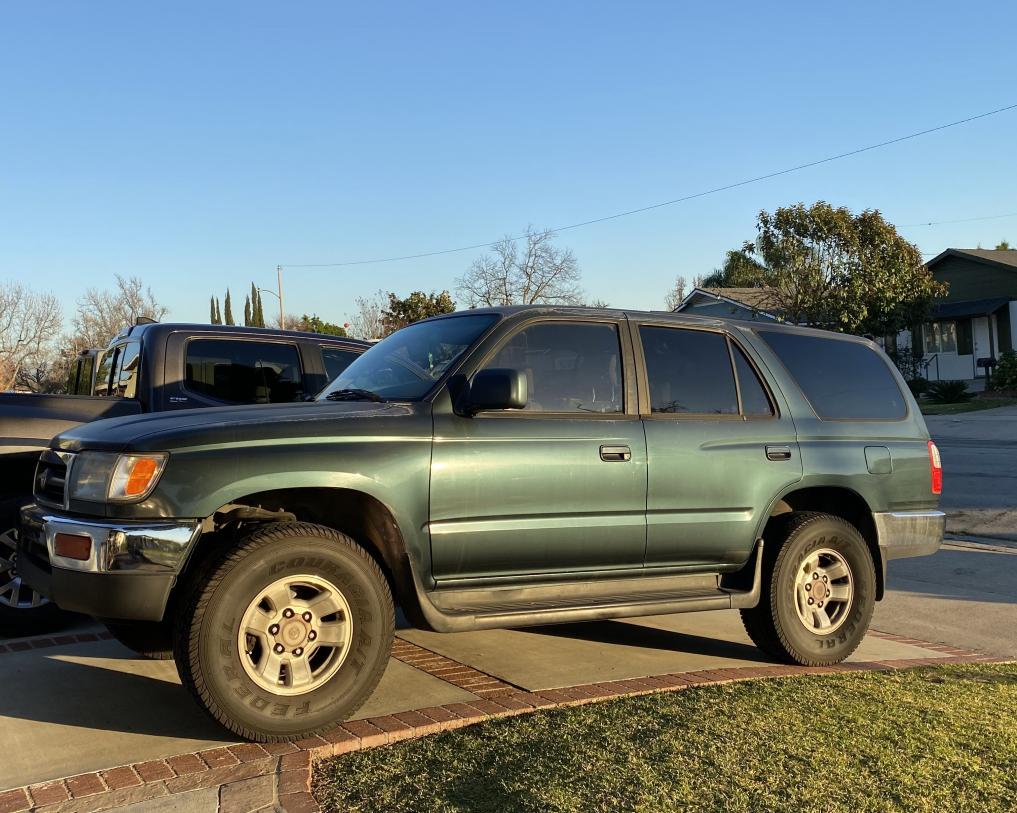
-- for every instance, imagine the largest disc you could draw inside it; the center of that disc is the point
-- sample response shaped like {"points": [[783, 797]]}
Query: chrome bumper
{"points": [[117, 547], [909, 533]]}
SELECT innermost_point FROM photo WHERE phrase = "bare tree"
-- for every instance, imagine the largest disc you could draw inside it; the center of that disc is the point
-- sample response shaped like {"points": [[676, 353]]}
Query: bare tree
{"points": [[537, 272], [368, 321], [103, 314], [676, 294], [29, 322]]}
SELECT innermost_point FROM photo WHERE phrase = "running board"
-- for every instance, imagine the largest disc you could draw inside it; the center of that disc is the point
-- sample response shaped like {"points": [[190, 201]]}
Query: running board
{"points": [[563, 602]]}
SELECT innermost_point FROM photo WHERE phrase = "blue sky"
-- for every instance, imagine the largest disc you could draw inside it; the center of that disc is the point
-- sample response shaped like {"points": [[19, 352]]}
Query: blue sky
{"points": [[198, 145]]}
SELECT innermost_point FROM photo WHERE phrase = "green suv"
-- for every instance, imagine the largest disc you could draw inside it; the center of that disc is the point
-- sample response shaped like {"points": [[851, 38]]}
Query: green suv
{"points": [[493, 468]]}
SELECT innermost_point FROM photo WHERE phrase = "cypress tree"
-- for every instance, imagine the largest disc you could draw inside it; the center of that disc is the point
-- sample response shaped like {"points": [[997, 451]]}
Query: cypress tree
{"points": [[247, 311], [218, 312], [229, 309], [211, 310]]}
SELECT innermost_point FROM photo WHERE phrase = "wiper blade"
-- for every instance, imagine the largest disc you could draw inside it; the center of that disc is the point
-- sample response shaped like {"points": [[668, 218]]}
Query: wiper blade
{"points": [[354, 395]]}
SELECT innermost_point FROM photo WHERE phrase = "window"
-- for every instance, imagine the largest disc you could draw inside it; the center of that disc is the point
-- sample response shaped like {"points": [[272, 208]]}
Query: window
{"points": [[842, 379], [569, 366], [688, 371], [125, 377], [105, 371], [244, 372], [336, 360], [965, 339], [940, 337], [407, 365], [755, 401]]}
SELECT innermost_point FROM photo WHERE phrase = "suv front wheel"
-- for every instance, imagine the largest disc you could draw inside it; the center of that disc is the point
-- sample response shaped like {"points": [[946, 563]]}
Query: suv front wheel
{"points": [[287, 634], [818, 592]]}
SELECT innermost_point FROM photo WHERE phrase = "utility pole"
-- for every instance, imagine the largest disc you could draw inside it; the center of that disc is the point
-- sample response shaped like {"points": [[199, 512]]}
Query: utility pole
{"points": [[282, 317]]}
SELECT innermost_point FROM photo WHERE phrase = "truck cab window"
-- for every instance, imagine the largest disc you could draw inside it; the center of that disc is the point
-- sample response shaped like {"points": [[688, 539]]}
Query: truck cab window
{"points": [[237, 371], [125, 377]]}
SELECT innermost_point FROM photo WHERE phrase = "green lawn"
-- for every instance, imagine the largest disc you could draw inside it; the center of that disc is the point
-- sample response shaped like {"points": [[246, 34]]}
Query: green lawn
{"points": [[968, 406], [933, 739]]}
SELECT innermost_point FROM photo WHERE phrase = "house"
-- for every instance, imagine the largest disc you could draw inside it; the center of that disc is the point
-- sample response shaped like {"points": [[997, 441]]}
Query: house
{"points": [[978, 317], [737, 303]]}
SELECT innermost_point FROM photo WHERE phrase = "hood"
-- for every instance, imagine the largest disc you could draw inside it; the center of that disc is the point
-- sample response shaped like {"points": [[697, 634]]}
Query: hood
{"points": [[225, 426]]}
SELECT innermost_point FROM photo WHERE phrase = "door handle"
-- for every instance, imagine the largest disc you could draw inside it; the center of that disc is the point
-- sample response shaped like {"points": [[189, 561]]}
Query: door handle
{"points": [[615, 454], [778, 452]]}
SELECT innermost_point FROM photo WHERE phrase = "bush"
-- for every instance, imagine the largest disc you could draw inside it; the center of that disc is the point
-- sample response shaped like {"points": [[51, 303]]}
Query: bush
{"points": [[1004, 377], [918, 386], [949, 392]]}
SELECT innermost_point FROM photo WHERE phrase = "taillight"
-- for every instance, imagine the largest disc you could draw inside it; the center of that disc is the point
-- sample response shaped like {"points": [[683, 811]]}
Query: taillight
{"points": [[935, 469]]}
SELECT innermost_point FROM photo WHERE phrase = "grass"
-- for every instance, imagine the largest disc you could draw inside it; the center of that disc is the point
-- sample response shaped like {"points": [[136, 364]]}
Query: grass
{"points": [[933, 739], [973, 405]]}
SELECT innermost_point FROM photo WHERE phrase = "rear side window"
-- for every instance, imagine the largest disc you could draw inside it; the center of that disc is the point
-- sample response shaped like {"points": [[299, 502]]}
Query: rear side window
{"points": [[336, 360], [244, 372], [688, 371], [755, 401], [843, 380]]}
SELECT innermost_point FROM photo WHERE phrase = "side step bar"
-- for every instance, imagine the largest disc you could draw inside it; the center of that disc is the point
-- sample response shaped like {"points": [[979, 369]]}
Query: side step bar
{"points": [[564, 602]]}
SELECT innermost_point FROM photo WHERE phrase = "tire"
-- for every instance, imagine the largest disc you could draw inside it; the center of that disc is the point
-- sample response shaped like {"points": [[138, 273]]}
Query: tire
{"points": [[149, 639], [810, 612], [330, 586], [23, 611]]}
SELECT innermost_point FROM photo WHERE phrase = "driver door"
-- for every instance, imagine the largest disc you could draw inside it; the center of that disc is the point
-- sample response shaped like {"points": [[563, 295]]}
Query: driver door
{"points": [[556, 488]]}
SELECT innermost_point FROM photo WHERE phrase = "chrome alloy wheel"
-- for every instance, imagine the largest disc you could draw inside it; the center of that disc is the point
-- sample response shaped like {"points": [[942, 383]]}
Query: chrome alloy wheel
{"points": [[295, 635], [13, 592], [824, 590]]}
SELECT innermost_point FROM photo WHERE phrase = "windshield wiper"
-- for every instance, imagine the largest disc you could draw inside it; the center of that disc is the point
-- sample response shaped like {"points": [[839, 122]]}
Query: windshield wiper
{"points": [[354, 395]]}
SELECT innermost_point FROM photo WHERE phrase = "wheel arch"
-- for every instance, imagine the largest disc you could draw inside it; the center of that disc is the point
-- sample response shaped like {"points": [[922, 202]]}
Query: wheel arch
{"points": [[839, 501], [362, 516]]}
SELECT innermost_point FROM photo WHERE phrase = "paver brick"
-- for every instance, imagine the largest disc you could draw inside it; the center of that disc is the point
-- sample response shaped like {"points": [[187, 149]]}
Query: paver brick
{"points": [[86, 784], [369, 735], [218, 757], [123, 777], [48, 793], [184, 764], [154, 770], [301, 802], [14, 801]]}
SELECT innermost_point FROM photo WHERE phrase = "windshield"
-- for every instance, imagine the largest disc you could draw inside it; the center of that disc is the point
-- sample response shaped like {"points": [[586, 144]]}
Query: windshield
{"points": [[406, 365]]}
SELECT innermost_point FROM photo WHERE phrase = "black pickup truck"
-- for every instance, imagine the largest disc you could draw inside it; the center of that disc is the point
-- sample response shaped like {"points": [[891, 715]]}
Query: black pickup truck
{"points": [[148, 368]]}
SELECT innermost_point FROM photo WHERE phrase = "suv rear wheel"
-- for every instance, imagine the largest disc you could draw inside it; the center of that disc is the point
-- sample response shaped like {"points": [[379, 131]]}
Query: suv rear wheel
{"points": [[819, 590], [287, 634]]}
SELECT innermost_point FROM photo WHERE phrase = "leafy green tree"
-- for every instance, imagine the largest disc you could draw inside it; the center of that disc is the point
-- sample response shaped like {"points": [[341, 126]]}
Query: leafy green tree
{"points": [[229, 309], [740, 270], [416, 306], [1004, 245], [314, 324], [830, 268]]}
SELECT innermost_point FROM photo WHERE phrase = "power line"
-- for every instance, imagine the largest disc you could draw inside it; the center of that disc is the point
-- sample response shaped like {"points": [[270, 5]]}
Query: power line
{"points": [[673, 201], [962, 220]]}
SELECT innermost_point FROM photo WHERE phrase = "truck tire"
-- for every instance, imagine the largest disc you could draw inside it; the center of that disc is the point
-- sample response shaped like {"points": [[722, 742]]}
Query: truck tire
{"points": [[286, 634], [149, 639], [818, 591], [23, 611]]}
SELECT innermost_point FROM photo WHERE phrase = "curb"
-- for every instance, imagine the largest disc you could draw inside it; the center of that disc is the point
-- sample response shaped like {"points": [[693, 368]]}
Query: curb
{"points": [[254, 777]]}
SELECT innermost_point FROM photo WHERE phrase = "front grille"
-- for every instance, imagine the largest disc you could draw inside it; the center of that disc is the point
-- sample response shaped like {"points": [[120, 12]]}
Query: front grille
{"points": [[51, 477]]}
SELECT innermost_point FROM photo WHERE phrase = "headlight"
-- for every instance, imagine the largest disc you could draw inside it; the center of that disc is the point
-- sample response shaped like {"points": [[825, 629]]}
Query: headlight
{"points": [[101, 476]]}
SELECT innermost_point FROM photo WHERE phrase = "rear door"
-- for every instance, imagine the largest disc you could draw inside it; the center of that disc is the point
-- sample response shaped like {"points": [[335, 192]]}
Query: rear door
{"points": [[720, 444]]}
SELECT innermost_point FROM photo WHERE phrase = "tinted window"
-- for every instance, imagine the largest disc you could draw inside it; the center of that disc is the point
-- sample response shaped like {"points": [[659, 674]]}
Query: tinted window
{"points": [[125, 378], [755, 401], [843, 380], [406, 365], [336, 360], [569, 367], [244, 372], [104, 372], [688, 371]]}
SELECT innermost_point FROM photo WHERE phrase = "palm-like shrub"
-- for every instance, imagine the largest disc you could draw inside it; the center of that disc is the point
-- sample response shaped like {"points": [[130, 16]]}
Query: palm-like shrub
{"points": [[949, 392]]}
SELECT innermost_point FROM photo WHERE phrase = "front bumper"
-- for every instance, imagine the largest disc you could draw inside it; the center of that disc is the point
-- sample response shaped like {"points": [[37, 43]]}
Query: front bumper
{"points": [[909, 533], [129, 574]]}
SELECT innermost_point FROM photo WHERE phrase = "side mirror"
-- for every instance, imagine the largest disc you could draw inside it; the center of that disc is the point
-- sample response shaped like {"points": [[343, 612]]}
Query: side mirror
{"points": [[498, 389]]}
